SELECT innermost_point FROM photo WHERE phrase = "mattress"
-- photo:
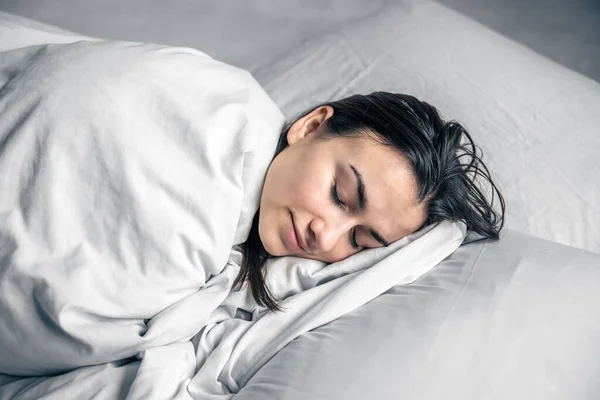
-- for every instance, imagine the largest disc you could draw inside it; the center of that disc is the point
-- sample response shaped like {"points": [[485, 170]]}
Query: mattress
{"points": [[514, 318]]}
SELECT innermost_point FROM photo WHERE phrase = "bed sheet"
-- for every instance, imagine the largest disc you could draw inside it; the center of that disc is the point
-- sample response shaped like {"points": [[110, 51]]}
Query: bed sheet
{"points": [[535, 120]]}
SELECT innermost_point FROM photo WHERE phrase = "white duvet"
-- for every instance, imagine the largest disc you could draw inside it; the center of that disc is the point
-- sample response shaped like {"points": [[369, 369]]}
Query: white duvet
{"points": [[129, 173]]}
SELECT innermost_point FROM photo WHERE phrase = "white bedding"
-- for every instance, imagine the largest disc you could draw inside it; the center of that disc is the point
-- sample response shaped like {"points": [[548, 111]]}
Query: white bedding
{"points": [[129, 174], [510, 319]]}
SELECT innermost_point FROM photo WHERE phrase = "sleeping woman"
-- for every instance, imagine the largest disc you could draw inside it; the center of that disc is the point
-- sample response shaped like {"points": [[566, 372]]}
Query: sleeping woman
{"points": [[363, 172], [131, 176]]}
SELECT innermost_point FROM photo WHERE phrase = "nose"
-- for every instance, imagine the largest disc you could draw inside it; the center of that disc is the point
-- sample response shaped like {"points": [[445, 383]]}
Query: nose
{"points": [[326, 234]]}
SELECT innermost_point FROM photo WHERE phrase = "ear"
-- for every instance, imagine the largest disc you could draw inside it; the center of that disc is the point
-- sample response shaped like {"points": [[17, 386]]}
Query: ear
{"points": [[309, 124]]}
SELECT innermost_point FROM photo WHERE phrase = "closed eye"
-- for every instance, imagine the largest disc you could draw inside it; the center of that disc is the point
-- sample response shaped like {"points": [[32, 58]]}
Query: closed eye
{"points": [[336, 198], [353, 241], [338, 202]]}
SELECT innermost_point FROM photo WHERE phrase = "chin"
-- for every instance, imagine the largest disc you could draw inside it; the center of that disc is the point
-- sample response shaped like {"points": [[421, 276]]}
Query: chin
{"points": [[275, 251], [268, 248]]}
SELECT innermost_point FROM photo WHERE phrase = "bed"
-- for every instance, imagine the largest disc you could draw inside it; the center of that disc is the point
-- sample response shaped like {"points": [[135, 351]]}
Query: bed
{"points": [[516, 318]]}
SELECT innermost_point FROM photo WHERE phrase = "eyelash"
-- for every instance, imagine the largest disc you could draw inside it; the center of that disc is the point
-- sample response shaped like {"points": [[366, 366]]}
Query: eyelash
{"points": [[338, 202]]}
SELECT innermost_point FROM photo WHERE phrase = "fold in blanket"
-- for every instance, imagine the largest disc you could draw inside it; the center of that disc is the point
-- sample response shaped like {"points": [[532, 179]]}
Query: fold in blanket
{"points": [[130, 174]]}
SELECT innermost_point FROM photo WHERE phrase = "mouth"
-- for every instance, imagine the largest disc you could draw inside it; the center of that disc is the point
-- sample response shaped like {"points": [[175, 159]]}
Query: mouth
{"points": [[292, 236]]}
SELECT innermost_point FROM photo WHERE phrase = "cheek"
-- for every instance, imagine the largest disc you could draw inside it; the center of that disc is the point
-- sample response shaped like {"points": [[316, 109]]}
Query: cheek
{"points": [[311, 189], [278, 184]]}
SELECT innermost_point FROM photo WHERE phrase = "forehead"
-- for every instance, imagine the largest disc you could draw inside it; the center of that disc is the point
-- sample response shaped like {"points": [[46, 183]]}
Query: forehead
{"points": [[393, 208]]}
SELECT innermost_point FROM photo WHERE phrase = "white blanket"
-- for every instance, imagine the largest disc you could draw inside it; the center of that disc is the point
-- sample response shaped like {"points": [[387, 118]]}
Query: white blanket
{"points": [[128, 172], [128, 175]]}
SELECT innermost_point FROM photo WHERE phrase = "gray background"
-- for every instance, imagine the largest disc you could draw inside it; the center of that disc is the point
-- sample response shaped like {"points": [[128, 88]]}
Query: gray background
{"points": [[567, 31]]}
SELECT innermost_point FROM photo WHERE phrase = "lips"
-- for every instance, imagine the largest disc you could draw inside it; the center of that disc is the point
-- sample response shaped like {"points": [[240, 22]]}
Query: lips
{"points": [[294, 239]]}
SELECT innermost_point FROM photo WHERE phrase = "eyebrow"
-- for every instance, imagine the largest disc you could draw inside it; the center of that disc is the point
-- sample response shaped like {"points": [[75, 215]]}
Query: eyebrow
{"points": [[362, 203]]}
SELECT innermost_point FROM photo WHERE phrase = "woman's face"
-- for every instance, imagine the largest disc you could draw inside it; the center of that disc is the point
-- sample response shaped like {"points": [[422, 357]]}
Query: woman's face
{"points": [[327, 199]]}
